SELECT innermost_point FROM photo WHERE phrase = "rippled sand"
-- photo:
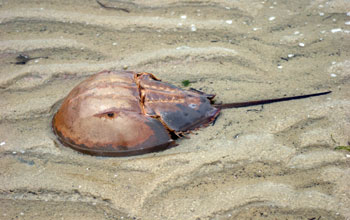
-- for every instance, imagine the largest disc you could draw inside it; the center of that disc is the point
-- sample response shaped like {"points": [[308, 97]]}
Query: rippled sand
{"points": [[275, 162]]}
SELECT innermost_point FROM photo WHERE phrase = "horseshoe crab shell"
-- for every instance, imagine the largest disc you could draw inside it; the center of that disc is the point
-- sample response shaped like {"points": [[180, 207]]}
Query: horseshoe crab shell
{"points": [[126, 113]]}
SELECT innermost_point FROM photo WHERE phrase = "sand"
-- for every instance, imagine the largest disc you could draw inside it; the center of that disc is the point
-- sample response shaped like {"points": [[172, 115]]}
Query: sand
{"points": [[275, 162]]}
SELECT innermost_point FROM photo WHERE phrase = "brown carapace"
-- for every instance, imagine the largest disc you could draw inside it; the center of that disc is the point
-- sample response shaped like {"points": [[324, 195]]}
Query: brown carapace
{"points": [[123, 113]]}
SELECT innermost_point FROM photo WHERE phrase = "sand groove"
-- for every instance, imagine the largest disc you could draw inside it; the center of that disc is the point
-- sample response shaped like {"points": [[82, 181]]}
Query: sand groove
{"points": [[40, 74], [27, 45], [116, 22]]}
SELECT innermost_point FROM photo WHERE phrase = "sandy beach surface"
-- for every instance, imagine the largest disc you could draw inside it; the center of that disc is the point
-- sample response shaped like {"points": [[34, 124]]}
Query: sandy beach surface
{"points": [[278, 161]]}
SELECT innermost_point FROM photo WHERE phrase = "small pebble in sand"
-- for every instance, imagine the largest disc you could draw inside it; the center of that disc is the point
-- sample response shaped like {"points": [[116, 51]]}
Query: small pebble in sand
{"points": [[334, 62], [296, 32], [347, 23], [320, 6], [228, 21], [228, 8], [183, 17], [21, 213], [271, 7], [335, 30], [333, 75], [348, 14], [279, 67], [348, 155], [114, 44], [321, 13], [2, 143], [182, 48], [290, 55], [14, 152], [334, 20], [272, 18], [193, 27], [301, 44], [255, 29]]}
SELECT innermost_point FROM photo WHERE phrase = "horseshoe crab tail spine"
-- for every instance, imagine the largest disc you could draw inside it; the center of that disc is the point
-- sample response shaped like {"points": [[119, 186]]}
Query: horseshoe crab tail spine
{"points": [[267, 101]]}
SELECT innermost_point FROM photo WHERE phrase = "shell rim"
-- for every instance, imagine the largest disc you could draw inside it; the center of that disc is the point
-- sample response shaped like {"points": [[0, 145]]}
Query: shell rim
{"points": [[105, 153]]}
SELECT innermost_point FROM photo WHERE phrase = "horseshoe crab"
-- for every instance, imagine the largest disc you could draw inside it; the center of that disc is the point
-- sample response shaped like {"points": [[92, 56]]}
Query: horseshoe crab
{"points": [[123, 113]]}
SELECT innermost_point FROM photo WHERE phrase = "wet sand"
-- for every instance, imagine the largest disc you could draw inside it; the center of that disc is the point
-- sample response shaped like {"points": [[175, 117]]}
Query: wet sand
{"points": [[275, 162]]}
